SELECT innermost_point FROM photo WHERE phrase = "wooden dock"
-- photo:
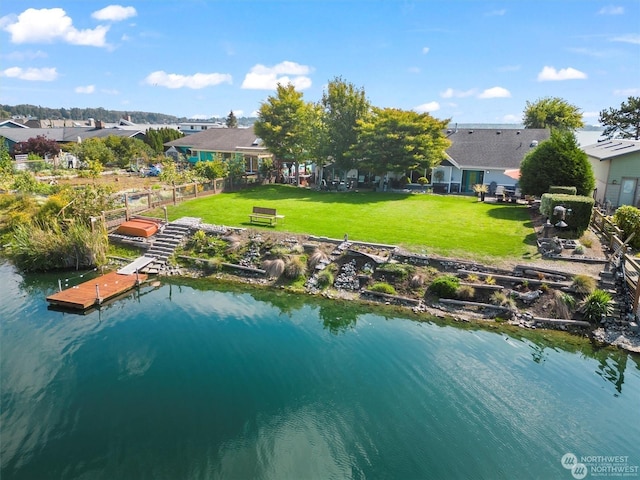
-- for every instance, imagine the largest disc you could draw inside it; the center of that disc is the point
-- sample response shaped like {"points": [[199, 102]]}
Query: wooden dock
{"points": [[96, 291]]}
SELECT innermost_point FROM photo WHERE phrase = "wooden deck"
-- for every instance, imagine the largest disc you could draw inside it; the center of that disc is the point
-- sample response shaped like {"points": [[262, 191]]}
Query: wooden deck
{"points": [[96, 291]]}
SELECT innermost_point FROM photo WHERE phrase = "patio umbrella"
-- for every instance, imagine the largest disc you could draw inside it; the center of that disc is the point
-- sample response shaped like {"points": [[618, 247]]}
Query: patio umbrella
{"points": [[513, 173]]}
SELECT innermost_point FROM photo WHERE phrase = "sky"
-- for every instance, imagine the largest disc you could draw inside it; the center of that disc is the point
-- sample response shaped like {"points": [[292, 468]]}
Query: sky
{"points": [[468, 61]]}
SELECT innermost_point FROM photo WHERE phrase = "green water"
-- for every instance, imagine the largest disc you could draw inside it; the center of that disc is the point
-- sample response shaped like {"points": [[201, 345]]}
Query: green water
{"points": [[177, 382]]}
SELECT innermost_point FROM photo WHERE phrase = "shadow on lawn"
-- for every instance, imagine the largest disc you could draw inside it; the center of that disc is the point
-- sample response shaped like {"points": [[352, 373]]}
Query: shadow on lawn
{"points": [[275, 192]]}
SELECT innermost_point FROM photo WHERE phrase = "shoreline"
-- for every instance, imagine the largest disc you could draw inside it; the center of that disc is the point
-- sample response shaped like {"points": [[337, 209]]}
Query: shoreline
{"points": [[249, 272]]}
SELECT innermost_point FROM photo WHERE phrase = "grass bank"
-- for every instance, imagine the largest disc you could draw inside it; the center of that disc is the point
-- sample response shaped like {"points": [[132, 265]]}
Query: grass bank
{"points": [[452, 226]]}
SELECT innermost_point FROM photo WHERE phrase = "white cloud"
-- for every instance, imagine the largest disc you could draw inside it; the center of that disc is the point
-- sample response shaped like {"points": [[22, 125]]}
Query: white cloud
{"points": [[87, 89], [590, 114], [261, 77], [427, 107], [512, 118], [195, 81], [633, 38], [627, 92], [114, 13], [495, 92], [451, 93], [21, 56], [611, 10], [31, 74], [425, 50], [496, 13], [50, 24], [551, 74]]}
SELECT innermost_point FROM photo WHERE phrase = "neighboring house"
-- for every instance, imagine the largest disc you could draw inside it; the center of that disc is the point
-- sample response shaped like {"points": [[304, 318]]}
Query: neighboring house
{"points": [[194, 126], [12, 124], [481, 155], [616, 166], [223, 143], [64, 135]]}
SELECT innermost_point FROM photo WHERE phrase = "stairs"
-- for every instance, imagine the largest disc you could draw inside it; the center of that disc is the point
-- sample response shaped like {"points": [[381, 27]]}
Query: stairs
{"points": [[165, 244]]}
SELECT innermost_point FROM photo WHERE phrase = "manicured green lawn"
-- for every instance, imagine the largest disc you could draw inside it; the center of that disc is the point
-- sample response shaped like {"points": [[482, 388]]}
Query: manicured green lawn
{"points": [[454, 226]]}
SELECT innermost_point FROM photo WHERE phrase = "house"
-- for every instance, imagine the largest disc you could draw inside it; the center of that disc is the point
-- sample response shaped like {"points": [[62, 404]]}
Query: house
{"points": [[482, 155], [223, 143], [616, 166], [64, 134], [195, 126]]}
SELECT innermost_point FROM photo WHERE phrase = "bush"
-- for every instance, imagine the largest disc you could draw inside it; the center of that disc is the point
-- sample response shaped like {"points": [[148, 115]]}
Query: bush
{"points": [[423, 180], [325, 278], [274, 268], [499, 298], [583, 284], [466, 292], [596, 305], [563, 190], [295, 267], [416, 281], [627, 218], [445, 286], [383, 287], [577, 219], [399, 270]]}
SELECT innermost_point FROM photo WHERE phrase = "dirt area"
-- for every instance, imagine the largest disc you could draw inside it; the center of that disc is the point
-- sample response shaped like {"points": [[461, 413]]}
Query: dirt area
{"points": [[119, 181]]}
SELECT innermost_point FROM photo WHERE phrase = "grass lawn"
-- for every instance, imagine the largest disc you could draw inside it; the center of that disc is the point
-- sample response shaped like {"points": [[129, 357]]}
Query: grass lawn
{"points": [[453, 226]]}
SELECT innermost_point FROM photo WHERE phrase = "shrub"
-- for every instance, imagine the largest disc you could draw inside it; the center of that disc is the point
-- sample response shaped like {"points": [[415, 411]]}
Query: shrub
{"points": [[383, 287], [317, 257], [445, 286], [325, 278], [583, 284], [480, 188], [472, 277], [274, 268], [295, 267], [489, 280], [596, 305], [416, 281], [399, 270], [563, 190], [581, 208], [627, 218], [466, 292], [499, 298], [423, 180], [587, 239]]}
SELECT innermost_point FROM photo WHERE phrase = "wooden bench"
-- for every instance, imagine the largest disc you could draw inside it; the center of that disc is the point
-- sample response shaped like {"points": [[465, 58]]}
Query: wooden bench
{"points": [[265, 215]]}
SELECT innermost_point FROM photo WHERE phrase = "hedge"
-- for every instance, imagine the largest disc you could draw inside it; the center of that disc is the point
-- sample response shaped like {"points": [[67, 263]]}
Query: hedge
{"points": [[579, 209], [565, 190], [627, 218]]}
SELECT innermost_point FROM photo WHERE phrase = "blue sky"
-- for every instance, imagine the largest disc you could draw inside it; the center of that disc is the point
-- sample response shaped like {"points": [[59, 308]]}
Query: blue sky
{"points": [[469, 61]]}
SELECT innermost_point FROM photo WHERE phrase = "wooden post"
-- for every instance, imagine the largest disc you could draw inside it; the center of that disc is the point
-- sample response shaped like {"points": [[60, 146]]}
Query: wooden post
{"points": [[195, 189], [126, 207], [174, 195], [149, 202]]}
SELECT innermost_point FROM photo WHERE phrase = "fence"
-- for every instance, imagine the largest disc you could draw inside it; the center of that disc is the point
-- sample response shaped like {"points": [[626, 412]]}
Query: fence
{"points": [[630, 266], [132, 203]]}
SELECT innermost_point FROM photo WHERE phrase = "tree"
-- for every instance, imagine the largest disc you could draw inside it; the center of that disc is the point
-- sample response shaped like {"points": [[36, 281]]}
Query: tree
{"points": [[236, 169], [126, 149], [92, 149], [552, 112], [557, 161], [231, 121], [285, 124], [342, 106], [400, 141], [40, 146], [211, 170], [625, 122], [157, 138]]}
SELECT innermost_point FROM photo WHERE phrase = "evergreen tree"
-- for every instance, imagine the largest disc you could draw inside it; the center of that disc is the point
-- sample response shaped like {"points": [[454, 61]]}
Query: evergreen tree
{"points": [[625, 121], [552, 112], [231, 121]]}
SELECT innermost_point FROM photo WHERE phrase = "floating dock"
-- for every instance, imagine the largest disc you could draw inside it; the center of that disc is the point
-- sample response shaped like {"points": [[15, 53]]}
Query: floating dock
{"points": [[96, 291]]}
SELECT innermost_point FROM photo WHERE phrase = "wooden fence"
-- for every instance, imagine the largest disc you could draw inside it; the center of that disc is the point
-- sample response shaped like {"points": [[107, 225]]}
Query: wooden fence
{"points": [[133, 203], [628, 263]]}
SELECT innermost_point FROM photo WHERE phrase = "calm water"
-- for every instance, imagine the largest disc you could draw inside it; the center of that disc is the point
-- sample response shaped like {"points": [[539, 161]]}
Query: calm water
{"points": [[181, 383]]}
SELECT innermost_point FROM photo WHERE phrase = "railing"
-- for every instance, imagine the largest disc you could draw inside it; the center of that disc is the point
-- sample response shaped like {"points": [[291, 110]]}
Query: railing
{"points": [[631, 266], [132, 203]]}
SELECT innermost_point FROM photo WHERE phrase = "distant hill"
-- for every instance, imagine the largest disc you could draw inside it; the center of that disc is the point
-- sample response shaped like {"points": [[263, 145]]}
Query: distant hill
{"points": [[110, 116]]}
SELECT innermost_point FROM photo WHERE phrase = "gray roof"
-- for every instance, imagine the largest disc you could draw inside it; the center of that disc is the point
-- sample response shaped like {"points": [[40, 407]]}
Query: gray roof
{"points": [[492, 148], [612, 148], [65, 134], [221, 140]]}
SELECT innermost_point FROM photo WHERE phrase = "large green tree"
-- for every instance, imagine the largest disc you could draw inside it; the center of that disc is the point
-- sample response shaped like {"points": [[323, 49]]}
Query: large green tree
{"points": [[552, 112], [557, 161], [624, 122], [342, 106], [286, 125], [394, 140], [156, 138]]}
